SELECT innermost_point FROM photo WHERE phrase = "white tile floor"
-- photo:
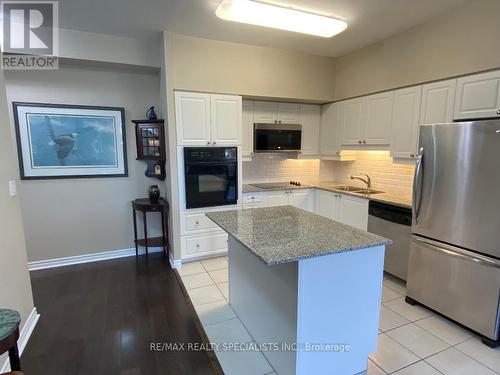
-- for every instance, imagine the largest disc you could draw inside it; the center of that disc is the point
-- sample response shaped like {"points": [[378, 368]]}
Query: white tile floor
{"points": [[412, 340]]}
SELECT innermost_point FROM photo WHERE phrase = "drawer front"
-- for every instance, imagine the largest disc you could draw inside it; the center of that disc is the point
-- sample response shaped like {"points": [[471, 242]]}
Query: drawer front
{"points": [[252, 198], [198, 222], [204, 245], [459, 284]]}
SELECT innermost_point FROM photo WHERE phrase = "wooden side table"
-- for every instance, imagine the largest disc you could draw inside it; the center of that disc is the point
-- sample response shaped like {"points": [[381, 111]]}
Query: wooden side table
{"points": [[9, 334], [144, 205]]}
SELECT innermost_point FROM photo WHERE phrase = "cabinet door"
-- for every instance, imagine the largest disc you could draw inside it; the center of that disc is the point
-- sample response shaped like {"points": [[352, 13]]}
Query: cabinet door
{"points": [[478, 96], [353, 211], [327, 204], [329, 131], [226, 121], [377, 125], [405, 122], [310, 119], [192, 117], [247, 128], [303, 199], [288, 113], [275, 198], [265, 112], [438, 99], [351, 121]]}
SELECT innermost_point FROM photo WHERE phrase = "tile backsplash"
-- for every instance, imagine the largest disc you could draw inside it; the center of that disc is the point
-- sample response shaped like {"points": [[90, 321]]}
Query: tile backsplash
{"points": [[275, 168], [385, 175]]}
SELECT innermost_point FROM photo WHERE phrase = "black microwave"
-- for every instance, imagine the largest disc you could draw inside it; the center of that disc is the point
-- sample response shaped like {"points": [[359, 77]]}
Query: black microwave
{"points": [[277, 137]]}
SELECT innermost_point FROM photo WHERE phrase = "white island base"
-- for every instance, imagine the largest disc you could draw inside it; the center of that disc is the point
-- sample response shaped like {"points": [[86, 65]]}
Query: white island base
{"points": [[331, 300]]}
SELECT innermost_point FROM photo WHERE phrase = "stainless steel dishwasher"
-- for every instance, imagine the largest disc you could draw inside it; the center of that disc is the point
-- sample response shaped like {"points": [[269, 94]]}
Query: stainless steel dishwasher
{"points": [[393, 222]]}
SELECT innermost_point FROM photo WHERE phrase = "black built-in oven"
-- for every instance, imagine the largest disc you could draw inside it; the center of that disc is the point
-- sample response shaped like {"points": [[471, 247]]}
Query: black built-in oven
{"points": [[211, 176]]}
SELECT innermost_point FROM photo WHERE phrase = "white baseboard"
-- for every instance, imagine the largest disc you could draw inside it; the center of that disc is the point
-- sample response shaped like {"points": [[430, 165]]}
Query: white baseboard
{"points": [[175, 263], [60, 262], [24, 336]]}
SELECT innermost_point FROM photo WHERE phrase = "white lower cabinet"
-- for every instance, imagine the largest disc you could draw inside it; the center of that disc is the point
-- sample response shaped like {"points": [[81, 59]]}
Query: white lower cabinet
{"points": [[204, 245], [303, 199], [327, 204], [343, 208], [353, 211], [275, 198]]}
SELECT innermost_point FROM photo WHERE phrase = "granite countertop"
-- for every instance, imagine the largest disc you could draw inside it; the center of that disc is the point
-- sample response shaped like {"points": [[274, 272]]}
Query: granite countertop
{"points": [[9, 321], [386, 197], [286, 234]]}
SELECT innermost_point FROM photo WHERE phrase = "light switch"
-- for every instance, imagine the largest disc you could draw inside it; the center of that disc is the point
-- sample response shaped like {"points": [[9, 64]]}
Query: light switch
{"points": [[12, 188]]}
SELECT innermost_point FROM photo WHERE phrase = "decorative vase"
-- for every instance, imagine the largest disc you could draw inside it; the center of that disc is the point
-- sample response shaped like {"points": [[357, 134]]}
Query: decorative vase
{"points": [[154, 193], [151, 114]]}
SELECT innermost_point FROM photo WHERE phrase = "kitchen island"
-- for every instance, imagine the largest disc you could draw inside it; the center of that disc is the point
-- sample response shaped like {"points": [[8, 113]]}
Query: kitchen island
{"points": [[307, 288]]}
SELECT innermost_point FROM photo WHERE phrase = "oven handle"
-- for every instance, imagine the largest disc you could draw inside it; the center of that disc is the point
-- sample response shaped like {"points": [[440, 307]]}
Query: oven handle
{"points": [[211, 163]]}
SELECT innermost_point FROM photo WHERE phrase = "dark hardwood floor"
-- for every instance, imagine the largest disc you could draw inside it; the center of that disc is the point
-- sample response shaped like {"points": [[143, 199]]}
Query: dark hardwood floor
{"points": [[101, 318]]}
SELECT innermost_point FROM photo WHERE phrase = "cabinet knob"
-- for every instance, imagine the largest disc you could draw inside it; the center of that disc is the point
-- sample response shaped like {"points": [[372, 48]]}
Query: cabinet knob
{"points": [[412, 155], [197, 245], [338, 152], [197, 223], [253, 197], [364, 142], [498, 111], [279, 121], [208, 143], [360, 142]]}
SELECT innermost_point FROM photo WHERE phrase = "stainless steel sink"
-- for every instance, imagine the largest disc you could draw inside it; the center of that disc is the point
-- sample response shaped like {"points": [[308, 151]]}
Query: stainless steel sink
{"points": [[353, 189], [368, 191], [358, 190]]}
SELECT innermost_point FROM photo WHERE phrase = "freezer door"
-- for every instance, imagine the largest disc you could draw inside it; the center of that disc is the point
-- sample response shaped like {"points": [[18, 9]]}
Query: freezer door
{"points": [[457, 184], [457, 283]]}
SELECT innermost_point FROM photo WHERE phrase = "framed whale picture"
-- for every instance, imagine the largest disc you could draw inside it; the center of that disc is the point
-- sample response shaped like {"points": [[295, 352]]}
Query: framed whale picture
{"points": [[70, 141]]}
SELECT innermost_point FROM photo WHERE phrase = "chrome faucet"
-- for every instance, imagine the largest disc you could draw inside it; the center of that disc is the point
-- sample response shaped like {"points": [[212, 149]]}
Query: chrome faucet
{"points": [[368, 180]]}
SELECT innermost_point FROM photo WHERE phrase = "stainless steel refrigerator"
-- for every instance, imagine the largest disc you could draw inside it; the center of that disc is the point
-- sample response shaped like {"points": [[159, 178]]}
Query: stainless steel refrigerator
{"points": [[454, 265]]}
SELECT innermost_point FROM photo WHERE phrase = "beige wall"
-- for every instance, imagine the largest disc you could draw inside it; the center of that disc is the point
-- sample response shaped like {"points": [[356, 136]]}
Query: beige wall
{"points": [[214, 66], [15, 287], [460, 42], [82, 216]]}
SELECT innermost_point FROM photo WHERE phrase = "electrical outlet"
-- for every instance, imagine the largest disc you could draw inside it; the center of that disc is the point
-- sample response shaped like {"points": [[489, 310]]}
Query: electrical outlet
{"points": [[12, 188]]}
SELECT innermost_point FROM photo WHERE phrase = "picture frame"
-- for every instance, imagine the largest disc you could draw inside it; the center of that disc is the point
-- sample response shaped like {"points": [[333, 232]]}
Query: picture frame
{"points": [[61, 141]]}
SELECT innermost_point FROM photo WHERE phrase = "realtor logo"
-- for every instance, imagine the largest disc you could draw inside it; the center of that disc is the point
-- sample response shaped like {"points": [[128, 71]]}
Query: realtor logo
{"points": [[30, 35]]}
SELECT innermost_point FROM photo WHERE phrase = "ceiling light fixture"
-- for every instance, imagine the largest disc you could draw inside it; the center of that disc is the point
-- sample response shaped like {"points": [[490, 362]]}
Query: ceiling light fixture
{"points": [[276, 17]]}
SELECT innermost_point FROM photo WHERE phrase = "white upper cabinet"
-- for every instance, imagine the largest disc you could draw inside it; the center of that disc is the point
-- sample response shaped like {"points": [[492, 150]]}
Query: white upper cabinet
{"points": [[265, 112], [310, 119], [438, 99], [226, 119], [352, 121], [405, 122], [329, 130], [279, 113], [478, 96], [377, 126], [247, 127], [192, 114], [207, 119], [367, 120], [288, 113]]}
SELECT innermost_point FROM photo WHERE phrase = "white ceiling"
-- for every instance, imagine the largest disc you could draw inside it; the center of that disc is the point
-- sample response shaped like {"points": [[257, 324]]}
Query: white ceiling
{"points": [[369, 21]]}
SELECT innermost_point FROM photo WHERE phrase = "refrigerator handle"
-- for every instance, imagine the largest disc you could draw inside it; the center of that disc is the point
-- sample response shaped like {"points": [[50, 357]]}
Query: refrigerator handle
{"points": [[457, 252], [417, 188]]}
